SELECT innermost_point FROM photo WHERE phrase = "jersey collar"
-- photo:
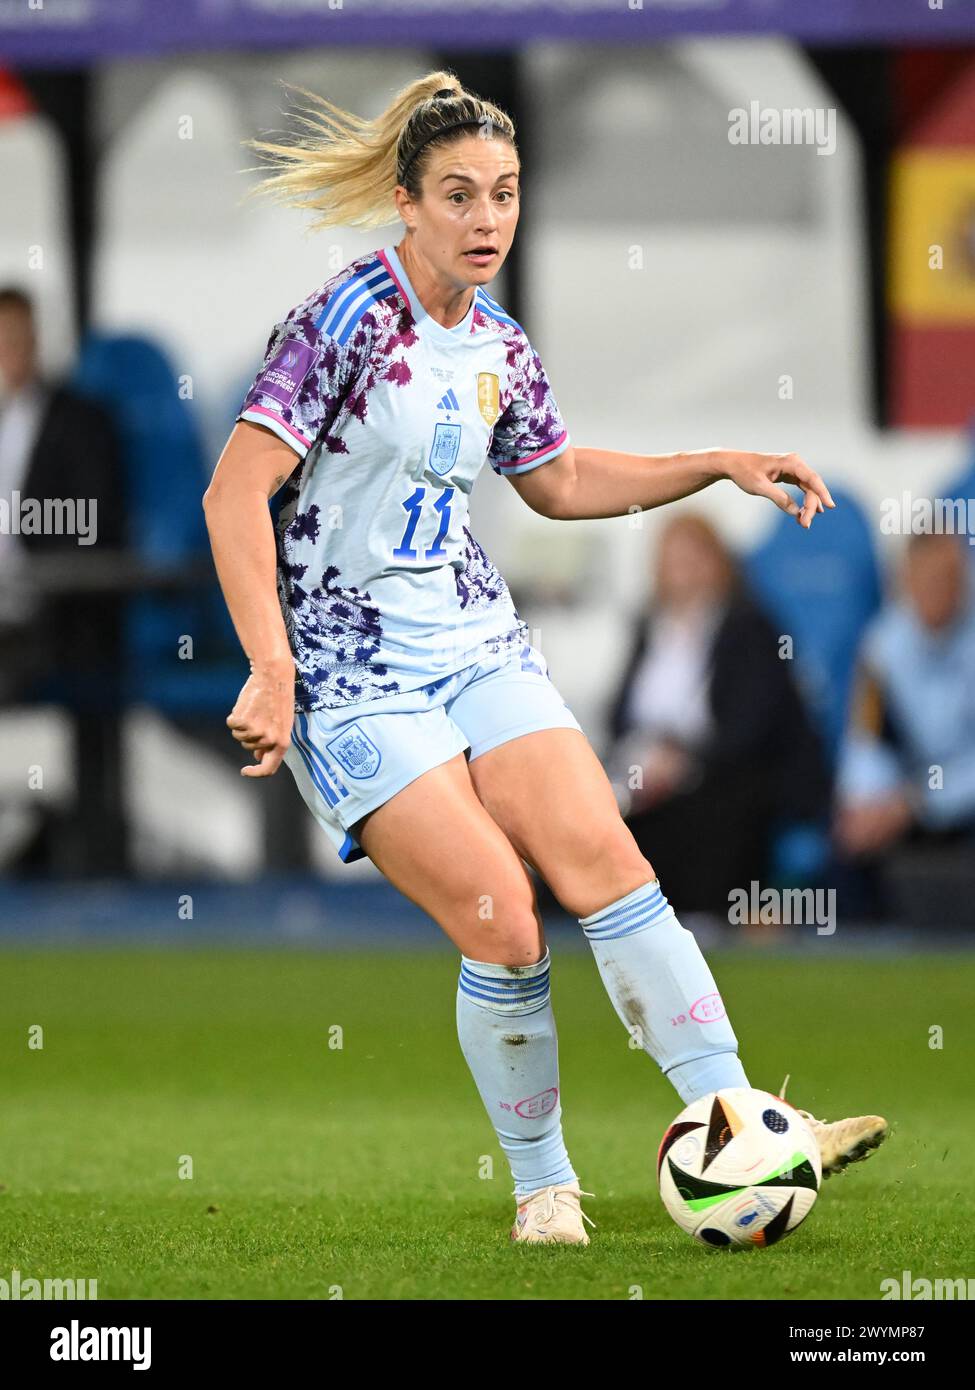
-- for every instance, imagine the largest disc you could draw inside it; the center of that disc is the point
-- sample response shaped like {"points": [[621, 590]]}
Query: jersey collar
{"points": [[430, 325]]}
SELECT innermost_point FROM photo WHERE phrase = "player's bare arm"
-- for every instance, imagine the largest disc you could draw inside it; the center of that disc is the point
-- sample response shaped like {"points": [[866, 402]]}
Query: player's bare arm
{"points": [[588, 483], [253, 465]]}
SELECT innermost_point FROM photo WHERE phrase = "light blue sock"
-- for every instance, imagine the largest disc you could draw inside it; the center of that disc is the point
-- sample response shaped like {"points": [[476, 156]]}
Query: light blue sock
{"points": [[660, 984], [507, 1034]]}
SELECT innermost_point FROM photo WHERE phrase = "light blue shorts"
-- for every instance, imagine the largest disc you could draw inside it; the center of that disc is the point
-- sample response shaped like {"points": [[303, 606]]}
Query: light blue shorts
{"points": [[349, 760]]}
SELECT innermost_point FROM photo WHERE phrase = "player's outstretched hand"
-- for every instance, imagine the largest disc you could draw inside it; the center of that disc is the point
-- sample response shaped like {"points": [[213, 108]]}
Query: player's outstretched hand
{"points": [[759, 474], [261, 719]]}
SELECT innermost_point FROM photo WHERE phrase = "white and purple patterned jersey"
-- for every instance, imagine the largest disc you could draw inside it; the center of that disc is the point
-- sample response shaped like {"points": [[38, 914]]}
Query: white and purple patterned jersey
{"points": [[382, 585]]}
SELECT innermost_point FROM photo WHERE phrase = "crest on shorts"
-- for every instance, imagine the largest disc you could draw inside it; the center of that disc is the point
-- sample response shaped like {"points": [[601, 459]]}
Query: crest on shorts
{"points": [[488, 397], [531, 660], [355, 751]]}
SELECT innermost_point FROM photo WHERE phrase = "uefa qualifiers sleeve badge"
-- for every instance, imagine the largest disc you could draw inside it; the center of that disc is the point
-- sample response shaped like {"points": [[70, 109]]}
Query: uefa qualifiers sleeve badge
{"points": [[282, 378]]}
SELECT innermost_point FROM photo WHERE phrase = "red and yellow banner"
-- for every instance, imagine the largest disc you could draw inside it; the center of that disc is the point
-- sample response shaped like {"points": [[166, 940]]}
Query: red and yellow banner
{"points": [[932, 263]]}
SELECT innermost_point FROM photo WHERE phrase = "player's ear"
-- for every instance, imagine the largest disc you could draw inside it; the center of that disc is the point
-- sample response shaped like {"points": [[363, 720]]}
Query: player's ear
{"points": [[404, 206]]}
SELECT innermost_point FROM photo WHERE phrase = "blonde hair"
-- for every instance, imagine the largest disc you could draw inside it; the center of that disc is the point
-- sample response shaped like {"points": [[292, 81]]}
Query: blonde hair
{"points": [[345, 168]]}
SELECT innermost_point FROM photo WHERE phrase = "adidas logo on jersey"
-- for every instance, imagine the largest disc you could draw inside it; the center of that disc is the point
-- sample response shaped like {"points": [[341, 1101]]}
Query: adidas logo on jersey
{"points": [[448, 401]]}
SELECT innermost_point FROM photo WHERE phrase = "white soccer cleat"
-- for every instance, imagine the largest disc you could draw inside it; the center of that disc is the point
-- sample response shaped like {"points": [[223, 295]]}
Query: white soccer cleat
{"points": [[844, 1141], [552, 1216]]}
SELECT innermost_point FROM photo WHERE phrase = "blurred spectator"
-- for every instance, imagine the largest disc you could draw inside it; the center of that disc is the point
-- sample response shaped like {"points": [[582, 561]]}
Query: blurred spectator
{"points": [[712, 742], [906, 784], [55, 447], [61, 504]]}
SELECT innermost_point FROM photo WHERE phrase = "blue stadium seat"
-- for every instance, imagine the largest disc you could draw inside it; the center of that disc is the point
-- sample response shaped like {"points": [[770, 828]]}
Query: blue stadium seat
{"points": [[821, 587], [166, 476]]}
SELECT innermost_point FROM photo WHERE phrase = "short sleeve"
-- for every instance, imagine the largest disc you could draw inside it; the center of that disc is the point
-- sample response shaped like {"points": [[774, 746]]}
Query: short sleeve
{"points": [[300, 388], [530, 431]]}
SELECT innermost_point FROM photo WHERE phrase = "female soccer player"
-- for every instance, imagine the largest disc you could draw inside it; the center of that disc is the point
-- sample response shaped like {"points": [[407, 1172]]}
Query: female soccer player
{"points": [[389, 667]]}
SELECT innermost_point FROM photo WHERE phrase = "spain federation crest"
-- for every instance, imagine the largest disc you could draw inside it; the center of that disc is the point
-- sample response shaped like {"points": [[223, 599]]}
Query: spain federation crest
{"points": [[356, 752], [488, 397], [445, 448]]}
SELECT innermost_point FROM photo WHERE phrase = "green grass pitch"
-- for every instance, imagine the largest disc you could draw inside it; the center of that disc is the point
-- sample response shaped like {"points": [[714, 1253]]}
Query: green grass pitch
{"points": [[357, 1172]]}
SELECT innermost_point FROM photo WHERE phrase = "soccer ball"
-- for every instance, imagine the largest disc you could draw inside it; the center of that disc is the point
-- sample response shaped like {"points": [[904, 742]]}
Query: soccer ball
{"points": [[739, 1167]]}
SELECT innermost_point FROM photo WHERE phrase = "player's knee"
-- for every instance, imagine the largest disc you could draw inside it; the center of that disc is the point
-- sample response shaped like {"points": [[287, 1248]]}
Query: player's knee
{"points": [[608, 865], [506, 929]]}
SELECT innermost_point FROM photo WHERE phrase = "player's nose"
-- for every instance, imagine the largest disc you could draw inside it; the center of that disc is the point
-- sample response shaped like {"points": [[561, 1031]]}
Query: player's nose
{"points": [[485, 214]]}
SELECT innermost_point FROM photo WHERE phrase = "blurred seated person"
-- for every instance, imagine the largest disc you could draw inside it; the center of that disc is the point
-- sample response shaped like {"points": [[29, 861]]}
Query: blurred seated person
{"points": [[712, 742], [906, 780], [56, 447]]}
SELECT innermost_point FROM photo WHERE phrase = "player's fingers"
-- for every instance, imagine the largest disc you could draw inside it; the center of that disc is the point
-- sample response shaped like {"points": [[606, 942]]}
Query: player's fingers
{"points": [[243, 730], [779, 496], [270, 761], [247, 736], [252, 738], [796, 470], [811, 505], [275, 758]]}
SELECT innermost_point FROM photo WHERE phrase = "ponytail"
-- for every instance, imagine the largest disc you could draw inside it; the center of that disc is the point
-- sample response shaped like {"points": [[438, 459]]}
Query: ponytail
{"points": [[345, 168]]}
